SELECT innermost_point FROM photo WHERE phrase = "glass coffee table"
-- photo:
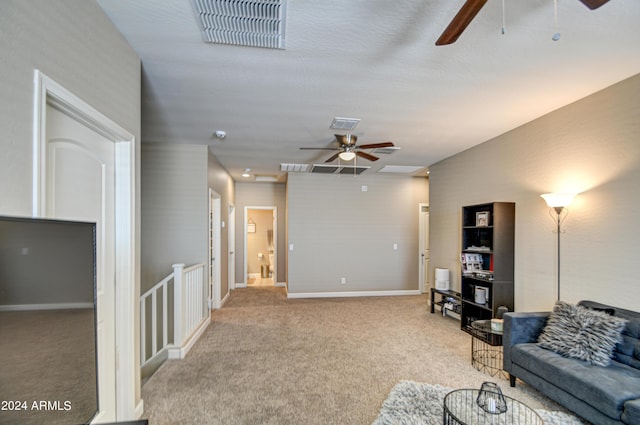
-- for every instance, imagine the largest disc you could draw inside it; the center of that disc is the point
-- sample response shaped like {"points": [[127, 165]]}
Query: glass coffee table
{"points": [[460, 408]]}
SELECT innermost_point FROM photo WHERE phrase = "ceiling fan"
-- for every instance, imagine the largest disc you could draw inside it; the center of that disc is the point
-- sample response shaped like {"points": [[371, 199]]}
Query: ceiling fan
{"points": [[470, 9], [348, 149]]}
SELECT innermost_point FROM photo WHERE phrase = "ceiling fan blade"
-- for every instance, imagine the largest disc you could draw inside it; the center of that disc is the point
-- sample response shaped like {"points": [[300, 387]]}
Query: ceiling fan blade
{"points": [[376, 145], [367, 156], [593, 4], [320, 149], [463, 18], [333, 157]]}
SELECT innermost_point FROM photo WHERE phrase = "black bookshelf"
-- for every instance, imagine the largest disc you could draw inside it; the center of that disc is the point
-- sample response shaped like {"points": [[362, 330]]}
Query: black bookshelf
{"points": [[488, 234]]}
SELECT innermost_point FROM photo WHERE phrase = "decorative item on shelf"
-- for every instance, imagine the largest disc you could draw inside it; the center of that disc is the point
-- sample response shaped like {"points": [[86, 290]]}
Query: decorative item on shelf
{"points": [[480, 295], [484, 275], [482, 219], [471, 262], [479, 248], [490, 399]]}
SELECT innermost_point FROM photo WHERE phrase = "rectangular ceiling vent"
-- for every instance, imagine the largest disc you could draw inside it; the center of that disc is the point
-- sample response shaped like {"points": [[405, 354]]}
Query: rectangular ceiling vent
{"points": [[294, 168], [339, 123], [386, 151], [401, 169], [337, 169], [266, 178], [252, 23]]}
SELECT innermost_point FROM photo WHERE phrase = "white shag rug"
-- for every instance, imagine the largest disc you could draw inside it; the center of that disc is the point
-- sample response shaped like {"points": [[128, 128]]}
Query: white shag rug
{"points": [[413, 403]]}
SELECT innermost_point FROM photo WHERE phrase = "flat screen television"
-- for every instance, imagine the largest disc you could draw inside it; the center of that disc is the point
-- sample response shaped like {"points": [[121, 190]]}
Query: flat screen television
{"points": [[48, 356]]}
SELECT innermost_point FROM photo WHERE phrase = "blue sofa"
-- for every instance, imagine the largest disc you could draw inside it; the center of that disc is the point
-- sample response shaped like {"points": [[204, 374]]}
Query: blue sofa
{"points": [[602, 395]]}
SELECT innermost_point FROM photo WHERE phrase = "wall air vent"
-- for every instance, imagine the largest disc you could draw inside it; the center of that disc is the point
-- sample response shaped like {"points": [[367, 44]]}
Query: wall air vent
{"points": [[253, 23]]}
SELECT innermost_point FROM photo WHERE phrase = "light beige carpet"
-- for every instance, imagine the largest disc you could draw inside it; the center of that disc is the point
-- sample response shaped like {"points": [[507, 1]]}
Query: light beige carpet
{"points": [[266, 359]]}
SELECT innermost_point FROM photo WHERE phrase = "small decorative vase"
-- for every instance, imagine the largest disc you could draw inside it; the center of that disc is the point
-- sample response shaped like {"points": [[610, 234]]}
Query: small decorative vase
{"points": [[490, 399]]}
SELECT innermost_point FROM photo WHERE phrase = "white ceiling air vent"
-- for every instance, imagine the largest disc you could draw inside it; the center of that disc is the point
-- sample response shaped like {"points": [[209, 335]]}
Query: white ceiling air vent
{"points": [[388, 150], [400, 169], [294, 168], [266, 178], [339, 123], [337, 169], [253, 23]]}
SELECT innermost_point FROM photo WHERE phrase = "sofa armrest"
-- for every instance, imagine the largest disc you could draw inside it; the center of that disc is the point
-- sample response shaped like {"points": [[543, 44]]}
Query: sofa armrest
{"points": [[521, 328], [631, 412]]}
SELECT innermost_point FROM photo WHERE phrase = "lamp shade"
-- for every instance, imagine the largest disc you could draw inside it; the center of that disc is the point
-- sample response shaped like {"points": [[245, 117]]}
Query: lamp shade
{"points": [[555, 200], [347, 156]]}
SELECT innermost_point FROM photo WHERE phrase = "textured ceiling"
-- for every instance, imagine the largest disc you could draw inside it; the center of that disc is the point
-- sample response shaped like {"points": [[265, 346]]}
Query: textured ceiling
{"points": [[375, 60]]}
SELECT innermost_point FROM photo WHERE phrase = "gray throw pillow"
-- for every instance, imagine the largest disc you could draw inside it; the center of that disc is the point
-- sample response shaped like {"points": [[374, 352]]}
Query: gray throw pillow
{"points": [[581, 333]]}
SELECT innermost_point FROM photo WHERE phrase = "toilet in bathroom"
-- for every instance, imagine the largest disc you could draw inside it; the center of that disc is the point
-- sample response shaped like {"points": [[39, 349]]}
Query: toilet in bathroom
{"points": [[271, 265]]}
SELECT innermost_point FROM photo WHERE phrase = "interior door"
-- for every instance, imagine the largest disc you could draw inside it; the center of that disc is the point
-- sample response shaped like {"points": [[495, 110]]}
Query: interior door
{"points": [[214, 250], [423, 229], [231, 242], [80, 172]]}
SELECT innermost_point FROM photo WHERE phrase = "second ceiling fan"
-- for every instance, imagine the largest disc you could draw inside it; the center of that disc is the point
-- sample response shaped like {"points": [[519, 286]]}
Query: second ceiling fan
{"points": [[470, 9], [348, 149]]}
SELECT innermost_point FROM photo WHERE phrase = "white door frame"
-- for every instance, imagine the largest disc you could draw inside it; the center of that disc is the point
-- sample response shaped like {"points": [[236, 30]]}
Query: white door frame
{"points": [[231, 244], [214, 249], [422, 247], [126, 342], [275, 240]]}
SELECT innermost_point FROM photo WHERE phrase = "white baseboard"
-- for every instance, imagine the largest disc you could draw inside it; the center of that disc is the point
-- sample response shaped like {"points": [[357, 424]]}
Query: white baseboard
{"points": [[225, 299], [61, 306], [390, 293], [139, 410], [181, 352], [241, 285], [254, 275], [280, 284]]}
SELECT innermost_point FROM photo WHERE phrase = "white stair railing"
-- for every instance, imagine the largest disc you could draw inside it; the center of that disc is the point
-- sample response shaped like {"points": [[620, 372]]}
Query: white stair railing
{"points": [[190, 314]]}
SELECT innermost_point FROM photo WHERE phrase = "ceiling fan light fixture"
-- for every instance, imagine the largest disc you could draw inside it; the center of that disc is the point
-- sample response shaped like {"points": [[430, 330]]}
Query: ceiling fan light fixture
{"points": [[347, 155]]}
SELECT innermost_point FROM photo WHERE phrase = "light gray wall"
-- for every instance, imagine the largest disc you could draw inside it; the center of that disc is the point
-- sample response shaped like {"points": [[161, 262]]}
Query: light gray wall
{"points": [[590, 147], [175, 209], [338, 230], [261, 195], [74, 43]]}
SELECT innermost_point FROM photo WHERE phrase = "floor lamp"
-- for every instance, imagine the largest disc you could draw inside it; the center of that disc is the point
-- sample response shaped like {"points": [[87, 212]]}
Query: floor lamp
{"points": [[558, 203]]}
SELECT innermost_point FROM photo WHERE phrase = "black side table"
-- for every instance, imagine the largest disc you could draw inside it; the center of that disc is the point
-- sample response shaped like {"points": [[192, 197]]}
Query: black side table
{"points": [[486, 348]]}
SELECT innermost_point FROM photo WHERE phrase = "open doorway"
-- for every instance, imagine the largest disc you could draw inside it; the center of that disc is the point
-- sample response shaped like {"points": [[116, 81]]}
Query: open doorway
{"points": [[423, 247], [260, 245]]}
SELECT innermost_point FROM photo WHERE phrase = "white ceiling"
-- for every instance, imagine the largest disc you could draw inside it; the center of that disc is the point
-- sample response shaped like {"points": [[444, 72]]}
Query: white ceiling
{"points": [[375, 60]]}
